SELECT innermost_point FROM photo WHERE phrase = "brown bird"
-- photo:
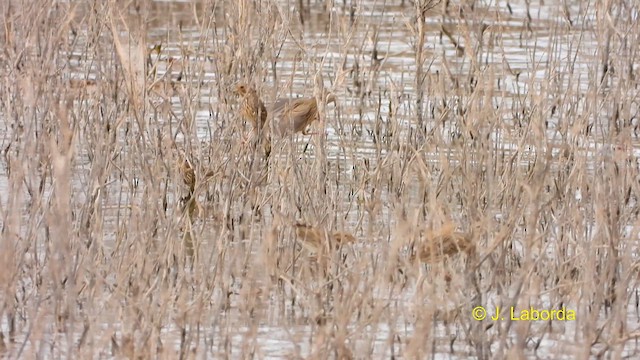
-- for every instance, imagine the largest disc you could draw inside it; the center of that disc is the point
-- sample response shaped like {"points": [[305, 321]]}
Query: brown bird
{"points": [[294, 115], [316, 240], [252, 108], [436, 247], [188, 175], [440, 247]]}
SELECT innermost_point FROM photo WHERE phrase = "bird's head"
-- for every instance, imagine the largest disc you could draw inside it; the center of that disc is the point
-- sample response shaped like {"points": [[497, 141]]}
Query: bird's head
{"points": [[241, 89], [331, 99]]}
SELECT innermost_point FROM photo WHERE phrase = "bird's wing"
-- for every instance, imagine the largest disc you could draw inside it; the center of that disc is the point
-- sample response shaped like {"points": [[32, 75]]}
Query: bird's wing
{"points": [[278, 111], [279, 106], [294, 108]]}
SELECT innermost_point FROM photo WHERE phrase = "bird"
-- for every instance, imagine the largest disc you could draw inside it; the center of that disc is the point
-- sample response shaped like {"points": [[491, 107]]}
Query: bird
{"points": [[322, 247], [438, 246], [188, 175], [295, 115], [252, 108], [316, 240]]}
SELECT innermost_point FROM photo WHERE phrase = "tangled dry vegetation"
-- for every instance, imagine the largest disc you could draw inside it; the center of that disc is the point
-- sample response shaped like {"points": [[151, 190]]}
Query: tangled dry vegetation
{"points": [[140, 218]]}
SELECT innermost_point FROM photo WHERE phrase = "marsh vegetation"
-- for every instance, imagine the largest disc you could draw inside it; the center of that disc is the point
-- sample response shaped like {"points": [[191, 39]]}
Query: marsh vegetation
{"points": [[477, 153]]}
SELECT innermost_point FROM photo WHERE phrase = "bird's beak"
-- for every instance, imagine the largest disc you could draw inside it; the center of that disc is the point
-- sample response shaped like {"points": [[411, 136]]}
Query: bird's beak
{"points": [[330, 98]]}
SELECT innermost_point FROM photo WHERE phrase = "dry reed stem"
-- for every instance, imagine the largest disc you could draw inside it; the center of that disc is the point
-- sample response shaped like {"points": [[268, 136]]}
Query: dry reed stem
{"points": [[523, 115], [437, 246], [295, 115], [317, 240], [251, 107]]}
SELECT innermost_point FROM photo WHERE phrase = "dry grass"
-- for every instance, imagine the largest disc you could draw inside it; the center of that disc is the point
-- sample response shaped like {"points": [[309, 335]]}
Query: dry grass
{"points": [[136, 223]]}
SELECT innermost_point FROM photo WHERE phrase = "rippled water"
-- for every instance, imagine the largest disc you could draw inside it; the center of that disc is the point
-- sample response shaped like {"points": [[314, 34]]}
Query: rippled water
{"points": [[517, 52], [369, 62], [365, 54]]}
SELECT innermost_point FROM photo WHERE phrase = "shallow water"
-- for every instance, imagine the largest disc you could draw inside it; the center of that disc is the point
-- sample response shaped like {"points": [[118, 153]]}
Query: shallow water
{"points": [[377, 117]]}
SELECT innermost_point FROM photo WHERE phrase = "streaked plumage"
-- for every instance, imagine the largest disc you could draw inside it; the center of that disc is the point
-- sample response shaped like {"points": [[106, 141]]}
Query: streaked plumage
{"points": [[316, 240], [188, 175], [251, 107], [437, 247], [295, 115]]}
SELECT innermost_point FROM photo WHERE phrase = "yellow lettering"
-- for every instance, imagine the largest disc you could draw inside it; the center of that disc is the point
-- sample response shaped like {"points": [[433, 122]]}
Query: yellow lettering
{"points": [[513, 315], [497, 314]]}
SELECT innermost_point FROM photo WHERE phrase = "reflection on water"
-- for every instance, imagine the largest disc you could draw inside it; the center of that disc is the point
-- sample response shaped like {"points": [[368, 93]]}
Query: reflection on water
{"points": [[514, 61], [503, 52], [368, 54]]}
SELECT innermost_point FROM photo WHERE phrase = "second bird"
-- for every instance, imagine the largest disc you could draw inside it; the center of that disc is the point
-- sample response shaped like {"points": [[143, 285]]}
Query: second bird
{"points": [[289, 116], [295, 115]]}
